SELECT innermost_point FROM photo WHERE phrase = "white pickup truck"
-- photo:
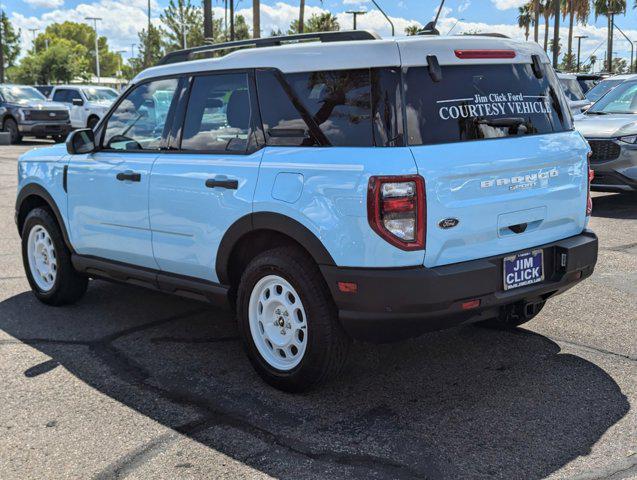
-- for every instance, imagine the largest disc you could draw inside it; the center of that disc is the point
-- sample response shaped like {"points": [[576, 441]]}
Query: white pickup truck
{"points": [[87, 103]]}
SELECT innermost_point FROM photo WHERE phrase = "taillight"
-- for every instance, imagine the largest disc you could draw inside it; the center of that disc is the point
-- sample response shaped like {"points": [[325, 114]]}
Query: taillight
{"points": [[469, 54], [591, 175], [396, 210]]}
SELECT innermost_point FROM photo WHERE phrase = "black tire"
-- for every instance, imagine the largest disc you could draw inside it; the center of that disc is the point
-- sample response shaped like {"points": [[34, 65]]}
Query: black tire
{"points": [[11, 126], [512, 316], [327, 343], [92, 122], [69, 285], [59, 138]]}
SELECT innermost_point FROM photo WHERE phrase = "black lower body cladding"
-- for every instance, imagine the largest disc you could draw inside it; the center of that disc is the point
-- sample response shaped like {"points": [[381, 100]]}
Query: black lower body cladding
{"points": [[397, 303]]}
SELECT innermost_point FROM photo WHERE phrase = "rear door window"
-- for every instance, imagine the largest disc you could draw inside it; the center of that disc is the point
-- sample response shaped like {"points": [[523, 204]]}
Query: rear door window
{"points": [[474, 102], [218, 116]]}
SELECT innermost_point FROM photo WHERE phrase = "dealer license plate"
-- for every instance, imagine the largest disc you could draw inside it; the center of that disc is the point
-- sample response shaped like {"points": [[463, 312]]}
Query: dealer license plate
{"points": [[523, 269]]}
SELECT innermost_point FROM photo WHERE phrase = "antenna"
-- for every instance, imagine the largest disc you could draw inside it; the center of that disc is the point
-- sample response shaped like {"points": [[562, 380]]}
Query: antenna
{"points": [[430, 28]]}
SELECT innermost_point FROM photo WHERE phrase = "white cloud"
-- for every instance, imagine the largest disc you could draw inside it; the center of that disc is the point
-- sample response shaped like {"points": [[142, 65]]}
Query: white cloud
{"points": [[464, 5], [507, 4], [355, 2], [45, 3]]}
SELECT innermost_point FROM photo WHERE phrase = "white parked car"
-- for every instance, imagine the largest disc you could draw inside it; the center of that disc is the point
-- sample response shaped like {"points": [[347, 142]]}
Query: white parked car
{"points": [[574, 93], [87, 103]]}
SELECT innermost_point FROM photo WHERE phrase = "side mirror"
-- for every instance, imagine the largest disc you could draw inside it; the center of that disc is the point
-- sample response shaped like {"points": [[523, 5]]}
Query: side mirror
{"points": [[80, 141], [78, 102]]}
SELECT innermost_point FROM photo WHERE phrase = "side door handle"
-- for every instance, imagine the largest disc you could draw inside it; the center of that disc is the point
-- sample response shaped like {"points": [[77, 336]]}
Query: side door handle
{"points": [[222, 182], [130, 176]]}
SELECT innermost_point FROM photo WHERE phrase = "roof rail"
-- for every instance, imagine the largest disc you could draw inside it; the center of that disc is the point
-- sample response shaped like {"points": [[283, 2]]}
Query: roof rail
{"points": [[339, 36]]}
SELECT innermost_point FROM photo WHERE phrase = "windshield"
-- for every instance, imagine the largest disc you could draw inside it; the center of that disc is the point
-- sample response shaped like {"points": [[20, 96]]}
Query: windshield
{"points": [[622, 99], [572, 89], [100, 94], [601, 89], [21, 94]]}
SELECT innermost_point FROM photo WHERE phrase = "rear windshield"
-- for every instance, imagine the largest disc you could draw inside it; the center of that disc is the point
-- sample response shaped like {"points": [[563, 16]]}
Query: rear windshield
{"points": [[474, 102], [572, 89]]}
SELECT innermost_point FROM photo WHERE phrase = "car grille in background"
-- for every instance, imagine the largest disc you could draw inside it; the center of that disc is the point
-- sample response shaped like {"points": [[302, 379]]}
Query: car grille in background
{"points": [[604, 150], [51, 115]]}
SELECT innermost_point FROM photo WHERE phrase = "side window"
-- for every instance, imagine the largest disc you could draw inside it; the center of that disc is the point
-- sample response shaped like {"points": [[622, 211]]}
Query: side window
{"points": [[73, 95], [60, 96], [138, 121], [338, 102], [218, 114]]}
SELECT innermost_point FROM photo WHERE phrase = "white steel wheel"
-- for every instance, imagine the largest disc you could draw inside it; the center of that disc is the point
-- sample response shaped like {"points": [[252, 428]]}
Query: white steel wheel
{"points": [[42, 258], [278, 323]]}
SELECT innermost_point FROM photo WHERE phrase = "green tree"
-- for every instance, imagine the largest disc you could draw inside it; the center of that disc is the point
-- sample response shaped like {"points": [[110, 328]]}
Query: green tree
{"points": [[181, 21], [607, 8], [412, 30], [620, 65], [150, 47], [241, 29], [525, 19], [82, 34], [324, 22], [62, 62], [10, 41], [577, 11]]}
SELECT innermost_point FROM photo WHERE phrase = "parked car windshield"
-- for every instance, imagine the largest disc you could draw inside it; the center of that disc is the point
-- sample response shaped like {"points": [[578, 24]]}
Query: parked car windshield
{"points": [[474, 102], [100, 94], [622, 99], [601, 89], [572, 89], [18, 94]]}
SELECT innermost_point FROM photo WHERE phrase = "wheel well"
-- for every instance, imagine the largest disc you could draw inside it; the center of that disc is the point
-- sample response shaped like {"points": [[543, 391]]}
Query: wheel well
{"points": [[252, 244], [28, 204], [8, 117], [92, 116]]}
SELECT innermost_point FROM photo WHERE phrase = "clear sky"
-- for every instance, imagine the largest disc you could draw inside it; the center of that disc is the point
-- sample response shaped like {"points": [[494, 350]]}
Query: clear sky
{"points": [[122, 19]]}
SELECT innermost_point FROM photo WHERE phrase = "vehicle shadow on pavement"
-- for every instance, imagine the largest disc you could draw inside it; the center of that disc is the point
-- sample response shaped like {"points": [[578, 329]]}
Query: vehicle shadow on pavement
{"points": [[464, 403], [615, 205]]}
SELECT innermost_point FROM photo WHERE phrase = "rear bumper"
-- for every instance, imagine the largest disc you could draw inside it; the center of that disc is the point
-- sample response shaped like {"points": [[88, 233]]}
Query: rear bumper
{"points": [[400, 303]]}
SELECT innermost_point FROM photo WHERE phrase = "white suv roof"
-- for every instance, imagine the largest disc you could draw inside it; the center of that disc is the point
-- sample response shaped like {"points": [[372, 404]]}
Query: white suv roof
{"points": [[310, 56]]}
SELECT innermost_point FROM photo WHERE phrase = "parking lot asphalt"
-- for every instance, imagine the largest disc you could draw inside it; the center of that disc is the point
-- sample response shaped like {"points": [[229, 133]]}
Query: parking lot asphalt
{"points": [[131, 383]]}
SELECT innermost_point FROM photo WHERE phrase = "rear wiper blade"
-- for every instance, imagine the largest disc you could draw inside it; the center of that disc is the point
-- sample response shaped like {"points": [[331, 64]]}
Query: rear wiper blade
{"points": [[588, 112], [502, 122]]}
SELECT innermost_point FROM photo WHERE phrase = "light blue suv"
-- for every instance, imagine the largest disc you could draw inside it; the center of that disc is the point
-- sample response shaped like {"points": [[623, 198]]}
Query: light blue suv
{"points": [[347, 188]]}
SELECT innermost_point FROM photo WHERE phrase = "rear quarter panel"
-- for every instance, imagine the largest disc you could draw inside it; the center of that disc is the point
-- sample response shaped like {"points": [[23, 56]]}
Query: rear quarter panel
{"points": [[325, 189]]}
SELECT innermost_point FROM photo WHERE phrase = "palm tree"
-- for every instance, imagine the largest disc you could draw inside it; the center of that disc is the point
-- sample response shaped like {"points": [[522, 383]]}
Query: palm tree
{"points": [[535, 6], [577, 11], [609, 8], [547, 11], [412, 30], [256, 18], [525, 19]]}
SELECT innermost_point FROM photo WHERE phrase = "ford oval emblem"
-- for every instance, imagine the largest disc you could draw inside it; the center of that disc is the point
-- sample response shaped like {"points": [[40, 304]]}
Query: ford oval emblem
{"points": [[448, 223]]}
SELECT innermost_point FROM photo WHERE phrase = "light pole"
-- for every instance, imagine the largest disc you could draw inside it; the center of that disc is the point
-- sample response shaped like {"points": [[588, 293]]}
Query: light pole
{"points": [[356, 14], [454, 25], [33, 32], [97, 55], [579, 45], [632, 48], [120, 60]]}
